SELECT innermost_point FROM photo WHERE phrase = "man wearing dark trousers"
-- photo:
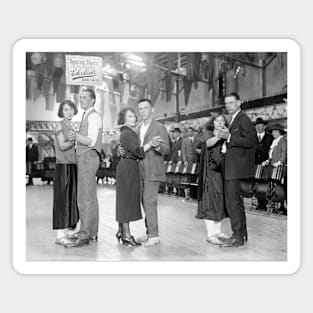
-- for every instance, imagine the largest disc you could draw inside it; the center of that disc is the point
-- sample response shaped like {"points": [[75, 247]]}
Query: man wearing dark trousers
{"points": [[32, 155], [264, 141], [238, 163]]}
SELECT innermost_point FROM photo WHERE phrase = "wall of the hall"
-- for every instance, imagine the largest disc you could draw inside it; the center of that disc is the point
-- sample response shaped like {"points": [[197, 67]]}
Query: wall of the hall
{"points": [[249, 87]]}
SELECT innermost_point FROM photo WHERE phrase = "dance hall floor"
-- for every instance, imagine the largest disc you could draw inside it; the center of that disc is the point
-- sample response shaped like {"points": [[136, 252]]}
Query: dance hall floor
{"points": [[183, 238]]}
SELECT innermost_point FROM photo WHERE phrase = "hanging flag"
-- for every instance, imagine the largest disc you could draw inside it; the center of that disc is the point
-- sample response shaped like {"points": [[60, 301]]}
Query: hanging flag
{"points": [[187, 89], [58, 72], [211, 75], [154, 84], [169, 85], [50, 98], [61, 90], [196, 60]]}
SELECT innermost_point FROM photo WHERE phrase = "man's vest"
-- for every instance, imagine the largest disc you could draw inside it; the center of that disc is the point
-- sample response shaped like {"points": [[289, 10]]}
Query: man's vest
{"points": [[83, 130]]}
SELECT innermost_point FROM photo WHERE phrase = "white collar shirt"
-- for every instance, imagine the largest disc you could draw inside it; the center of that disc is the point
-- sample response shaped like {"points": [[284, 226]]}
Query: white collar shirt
{"points": [[143, 131]]}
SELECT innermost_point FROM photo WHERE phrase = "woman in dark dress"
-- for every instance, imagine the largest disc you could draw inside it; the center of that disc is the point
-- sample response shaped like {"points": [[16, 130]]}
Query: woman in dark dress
{"points": [[65, 211], [127, 175], [211, 207]]}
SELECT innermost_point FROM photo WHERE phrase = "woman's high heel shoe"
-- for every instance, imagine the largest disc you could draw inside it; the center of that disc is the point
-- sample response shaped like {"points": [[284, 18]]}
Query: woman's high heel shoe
{"points": [[130, 241], [118, 236]]}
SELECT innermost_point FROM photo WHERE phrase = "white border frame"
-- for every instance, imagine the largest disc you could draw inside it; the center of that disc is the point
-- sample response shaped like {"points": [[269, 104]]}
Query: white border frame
{"points": [[163, 267]]}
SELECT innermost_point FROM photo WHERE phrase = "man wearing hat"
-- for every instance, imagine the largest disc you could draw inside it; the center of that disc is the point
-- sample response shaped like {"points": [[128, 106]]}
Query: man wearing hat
{"points": [[177, 145], [261, 154], [264, 141], [189, 155], [188, 149]]}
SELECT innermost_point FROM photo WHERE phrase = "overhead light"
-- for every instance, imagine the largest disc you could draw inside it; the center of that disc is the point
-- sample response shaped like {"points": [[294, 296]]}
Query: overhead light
{"points": [[135, 59], [107, 69], [138, 63], [237, 70]]}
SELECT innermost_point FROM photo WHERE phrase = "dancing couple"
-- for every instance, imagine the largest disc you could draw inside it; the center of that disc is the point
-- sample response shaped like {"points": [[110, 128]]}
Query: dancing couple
{"points": [[227, 156]]}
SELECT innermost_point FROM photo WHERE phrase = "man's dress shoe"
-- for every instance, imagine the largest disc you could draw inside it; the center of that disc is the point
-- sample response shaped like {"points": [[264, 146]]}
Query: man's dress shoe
{"points": [[77, 236], [233, 242], [77, 242]]}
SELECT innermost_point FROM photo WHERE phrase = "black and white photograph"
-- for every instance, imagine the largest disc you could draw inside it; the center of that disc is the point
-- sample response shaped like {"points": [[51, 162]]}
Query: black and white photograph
{"points": [[156, 156]]}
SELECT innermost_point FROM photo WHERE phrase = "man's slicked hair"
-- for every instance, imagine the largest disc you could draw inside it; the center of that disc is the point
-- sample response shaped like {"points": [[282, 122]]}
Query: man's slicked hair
{"points": [[145, 100], [91, 93], [233, 94]]}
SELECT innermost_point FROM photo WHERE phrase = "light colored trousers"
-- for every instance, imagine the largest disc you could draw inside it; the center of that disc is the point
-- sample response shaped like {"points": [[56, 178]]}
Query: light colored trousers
{"points": [[149, 199], [87, 201]]}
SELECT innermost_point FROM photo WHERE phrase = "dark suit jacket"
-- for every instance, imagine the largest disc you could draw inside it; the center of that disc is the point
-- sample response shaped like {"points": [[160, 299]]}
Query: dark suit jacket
{"points": [[240, 154], [32, 154], [152, 167], [262, 148], [177, 146], [188, 151], [280, 152]]}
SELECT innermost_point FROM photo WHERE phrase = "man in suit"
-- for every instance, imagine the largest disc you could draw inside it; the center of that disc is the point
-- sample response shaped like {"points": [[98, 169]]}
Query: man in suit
{"points": [[187, 147], [152, 168], [176, 152], [31, 157], [188, 153], [238, 163], [264, 141]]}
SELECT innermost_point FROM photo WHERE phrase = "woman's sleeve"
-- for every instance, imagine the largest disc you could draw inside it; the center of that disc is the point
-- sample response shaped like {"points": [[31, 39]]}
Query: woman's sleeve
{"points": [[129, 142], [283, 157]]}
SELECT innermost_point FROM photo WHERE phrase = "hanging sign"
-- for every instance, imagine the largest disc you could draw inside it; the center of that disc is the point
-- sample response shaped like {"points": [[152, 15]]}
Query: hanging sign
{"points": [[83, 70]]}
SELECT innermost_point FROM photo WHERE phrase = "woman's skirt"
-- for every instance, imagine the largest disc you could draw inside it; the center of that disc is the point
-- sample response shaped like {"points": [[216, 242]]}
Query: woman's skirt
{"points": [[65, 210], [128, 191]]}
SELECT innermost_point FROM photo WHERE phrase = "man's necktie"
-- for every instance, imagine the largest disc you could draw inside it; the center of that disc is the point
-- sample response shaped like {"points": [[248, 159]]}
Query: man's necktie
{"points": [[81, 120], [79, 129]]}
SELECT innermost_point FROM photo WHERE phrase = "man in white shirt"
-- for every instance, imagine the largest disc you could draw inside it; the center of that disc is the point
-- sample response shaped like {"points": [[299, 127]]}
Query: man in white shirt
{"points": [[88, 149], [152, 168]]}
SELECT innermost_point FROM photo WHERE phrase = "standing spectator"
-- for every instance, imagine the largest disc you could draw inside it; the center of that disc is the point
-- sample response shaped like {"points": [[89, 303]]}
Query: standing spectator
{"points": [[278, 154], [177, 145], [167, 157], [264, 142], [188, 151], [176, 153], [31, 157]]}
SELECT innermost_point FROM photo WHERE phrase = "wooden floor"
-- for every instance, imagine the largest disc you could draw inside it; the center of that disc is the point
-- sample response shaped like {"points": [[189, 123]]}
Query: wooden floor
{"points": [[182, 236]]}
